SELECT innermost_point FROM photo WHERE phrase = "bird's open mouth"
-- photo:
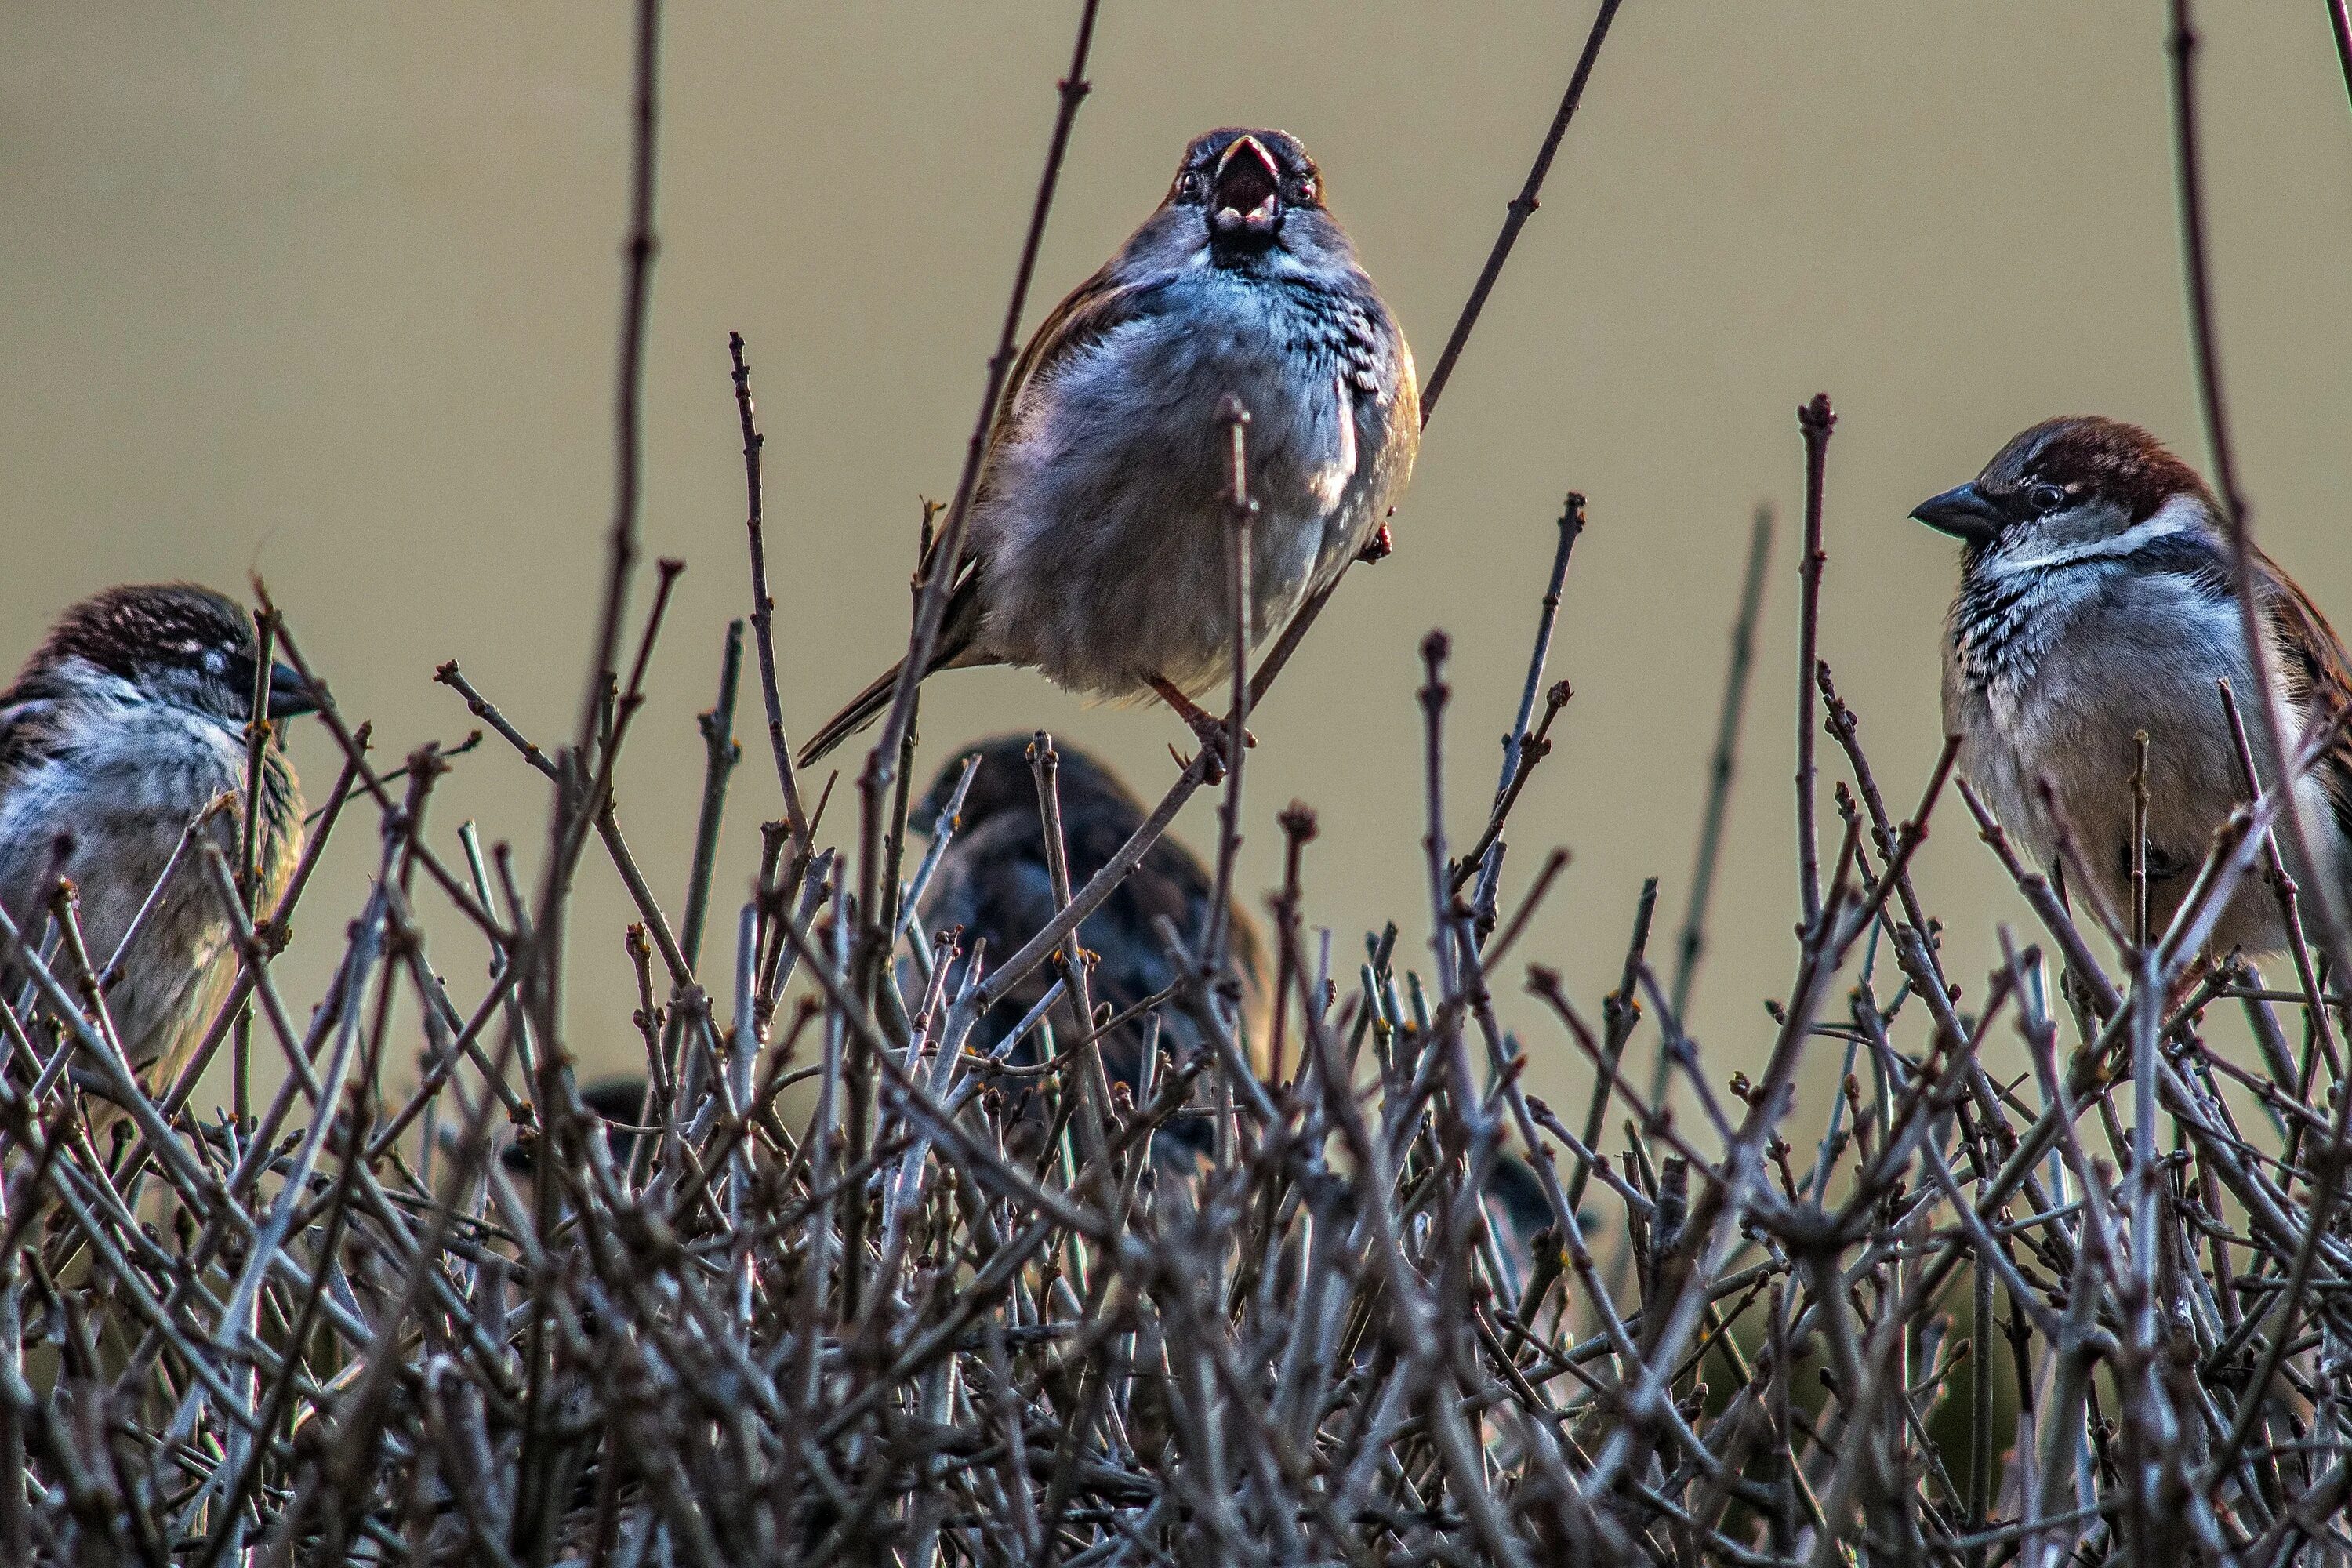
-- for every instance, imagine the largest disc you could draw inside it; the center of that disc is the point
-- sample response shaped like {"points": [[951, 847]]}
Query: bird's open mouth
{"points": [[1246, 200]]}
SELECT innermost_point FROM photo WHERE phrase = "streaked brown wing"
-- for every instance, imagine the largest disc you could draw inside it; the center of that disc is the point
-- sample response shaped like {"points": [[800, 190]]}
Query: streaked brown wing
{"points": [[30, 727], [2318, 674], [1086, 315]]}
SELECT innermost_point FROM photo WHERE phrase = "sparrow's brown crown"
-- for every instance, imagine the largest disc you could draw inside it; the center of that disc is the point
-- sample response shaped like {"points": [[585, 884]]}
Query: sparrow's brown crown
{"points": [[179, 641], [1004, 782], [2088, 473], [2085, 456]]}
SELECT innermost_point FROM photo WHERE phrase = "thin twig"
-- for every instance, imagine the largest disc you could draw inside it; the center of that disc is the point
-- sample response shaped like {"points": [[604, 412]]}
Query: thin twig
{"points": [[947, 550], [1722, 768], [1516, 215], [1815, 419], [764, 604], [2276, 733]]}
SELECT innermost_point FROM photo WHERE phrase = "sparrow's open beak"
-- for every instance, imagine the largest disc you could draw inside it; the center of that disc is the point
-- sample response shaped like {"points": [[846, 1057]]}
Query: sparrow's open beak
{"points": [[1963, 512], [1246, 199], [289, 694]]}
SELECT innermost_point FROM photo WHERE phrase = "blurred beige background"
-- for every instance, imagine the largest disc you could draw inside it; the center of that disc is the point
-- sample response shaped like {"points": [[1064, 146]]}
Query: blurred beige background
{"points": [[330, 291]]}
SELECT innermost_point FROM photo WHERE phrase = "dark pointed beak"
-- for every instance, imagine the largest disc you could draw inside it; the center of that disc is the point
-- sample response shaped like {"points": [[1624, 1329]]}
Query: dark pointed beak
{"points": [[289, 694], [1963, 512], [1246, 198]]}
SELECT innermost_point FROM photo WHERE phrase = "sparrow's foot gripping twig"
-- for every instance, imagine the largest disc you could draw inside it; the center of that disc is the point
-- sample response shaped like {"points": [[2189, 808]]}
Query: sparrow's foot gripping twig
{"points": [[1205, 724], [1379, 547]]}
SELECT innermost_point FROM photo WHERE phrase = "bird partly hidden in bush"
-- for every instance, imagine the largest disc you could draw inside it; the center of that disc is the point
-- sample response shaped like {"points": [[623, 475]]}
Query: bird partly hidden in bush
{"points": [[993, 882], [1097, 549], [126, 724], [2097, 600]]}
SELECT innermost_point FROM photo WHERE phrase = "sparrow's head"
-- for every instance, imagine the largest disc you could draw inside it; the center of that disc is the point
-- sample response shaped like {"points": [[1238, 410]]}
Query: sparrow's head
{"points": [[2073, 489], [1248, 199], [616, 1102], [1004, 782], [171, 642]]}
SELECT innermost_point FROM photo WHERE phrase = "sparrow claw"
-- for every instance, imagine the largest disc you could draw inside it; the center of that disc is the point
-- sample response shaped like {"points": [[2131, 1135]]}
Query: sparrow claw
{"points": [[1211, 729], [1379, 547], [1216, 772]]}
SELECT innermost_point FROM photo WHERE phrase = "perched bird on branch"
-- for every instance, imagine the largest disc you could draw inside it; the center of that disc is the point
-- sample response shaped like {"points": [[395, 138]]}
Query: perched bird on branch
{"points": [[2097, 602], [1097, 548], [125, 734], [995, 883]]}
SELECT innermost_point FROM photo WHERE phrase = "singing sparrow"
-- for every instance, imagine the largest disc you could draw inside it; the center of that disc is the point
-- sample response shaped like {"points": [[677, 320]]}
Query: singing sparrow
{"points": [[993, 882], [2096, 602], [126, 726], [1097, 548]]}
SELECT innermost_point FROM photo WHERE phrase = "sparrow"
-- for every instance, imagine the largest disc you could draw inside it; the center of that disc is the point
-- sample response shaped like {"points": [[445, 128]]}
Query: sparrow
{"points": [[127, 725], [619, 1103], [1097, 547], [2096, 601], [992, 882], [1518, 1215]]}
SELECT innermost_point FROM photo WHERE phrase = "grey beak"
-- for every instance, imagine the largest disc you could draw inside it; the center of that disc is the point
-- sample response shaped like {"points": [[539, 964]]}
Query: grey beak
{"points": [[1963, 512], [289, 694]]}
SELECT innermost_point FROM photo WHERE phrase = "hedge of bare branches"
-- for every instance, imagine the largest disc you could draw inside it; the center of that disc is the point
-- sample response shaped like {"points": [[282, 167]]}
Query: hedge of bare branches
{"points": [[2099, 1310]]}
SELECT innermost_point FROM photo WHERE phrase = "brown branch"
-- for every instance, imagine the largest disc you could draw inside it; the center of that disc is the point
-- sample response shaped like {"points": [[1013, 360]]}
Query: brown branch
{"points": [[1516, 215], [764, 604]]}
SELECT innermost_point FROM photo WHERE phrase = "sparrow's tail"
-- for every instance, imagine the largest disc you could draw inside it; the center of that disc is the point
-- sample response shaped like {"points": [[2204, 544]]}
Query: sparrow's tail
{"points": [[863, 709], [959, 629]]}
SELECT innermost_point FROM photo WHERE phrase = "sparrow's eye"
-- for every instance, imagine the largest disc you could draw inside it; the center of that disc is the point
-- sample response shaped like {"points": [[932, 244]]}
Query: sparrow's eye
{"points": [[2046, 498], [1193, 186], [1303, 191]]}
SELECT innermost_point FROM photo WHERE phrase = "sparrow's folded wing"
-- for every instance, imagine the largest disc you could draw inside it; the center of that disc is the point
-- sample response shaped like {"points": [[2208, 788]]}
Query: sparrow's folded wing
{"points": [[1090, 312], [28, 731], [993, 884], [2319, 674], [1170, 884]]}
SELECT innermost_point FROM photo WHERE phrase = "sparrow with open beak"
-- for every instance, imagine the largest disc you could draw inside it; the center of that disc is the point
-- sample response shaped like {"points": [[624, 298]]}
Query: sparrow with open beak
{"points": [[127, 725], [2096, 602], [1097, 549]]}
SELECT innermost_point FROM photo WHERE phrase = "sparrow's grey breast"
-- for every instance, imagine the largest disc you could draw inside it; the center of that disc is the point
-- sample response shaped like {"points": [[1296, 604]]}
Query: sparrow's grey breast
{"points": [[2054, 681], [121, 730]]}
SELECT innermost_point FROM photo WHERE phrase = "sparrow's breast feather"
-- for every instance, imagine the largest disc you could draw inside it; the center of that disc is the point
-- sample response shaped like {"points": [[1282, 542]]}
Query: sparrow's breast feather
{"points": [[124, 783], [1290, 354]]}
